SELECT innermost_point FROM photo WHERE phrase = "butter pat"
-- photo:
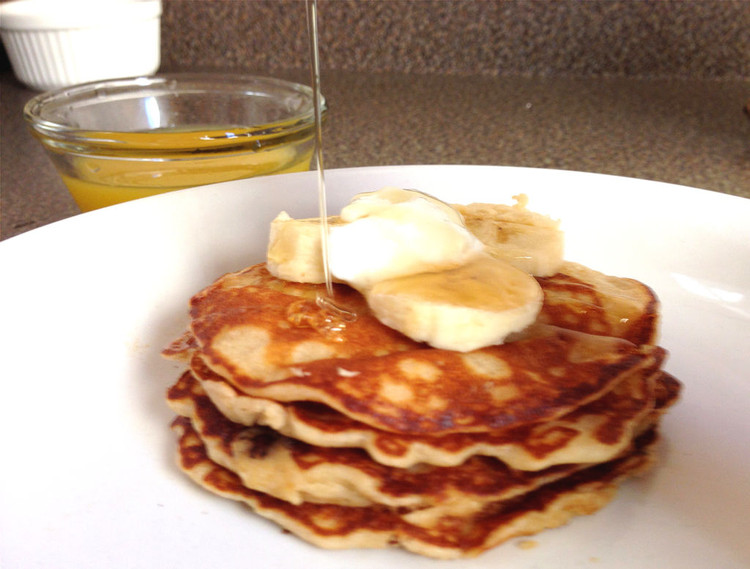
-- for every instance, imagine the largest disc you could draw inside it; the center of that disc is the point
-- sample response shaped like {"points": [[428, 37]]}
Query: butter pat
{"points": [[393, 233]]}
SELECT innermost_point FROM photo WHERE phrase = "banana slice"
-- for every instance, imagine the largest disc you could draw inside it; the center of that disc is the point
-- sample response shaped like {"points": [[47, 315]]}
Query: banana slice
{"points": [[469, 307], [527, 240], [459, 279], [294, 248], [379, 235]]}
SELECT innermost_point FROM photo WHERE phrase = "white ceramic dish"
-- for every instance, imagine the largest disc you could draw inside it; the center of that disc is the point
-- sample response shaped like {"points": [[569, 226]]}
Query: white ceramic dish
{"points": [[53, 44], [87, 476]]}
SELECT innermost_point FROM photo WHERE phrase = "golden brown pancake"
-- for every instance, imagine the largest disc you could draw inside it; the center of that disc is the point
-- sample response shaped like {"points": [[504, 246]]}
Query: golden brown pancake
{"points": [[592, 433], [577, 298], [589, 301], [349, 434], [449, 537], [298, 472], [378, 377]]}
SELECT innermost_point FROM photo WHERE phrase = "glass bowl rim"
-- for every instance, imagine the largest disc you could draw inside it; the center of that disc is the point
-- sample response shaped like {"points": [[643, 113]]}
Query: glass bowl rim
{"points": [[166, 82]]}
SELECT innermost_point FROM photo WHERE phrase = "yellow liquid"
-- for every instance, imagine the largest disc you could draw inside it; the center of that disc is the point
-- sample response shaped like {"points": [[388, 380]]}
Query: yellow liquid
{"points": [[117, 174]]}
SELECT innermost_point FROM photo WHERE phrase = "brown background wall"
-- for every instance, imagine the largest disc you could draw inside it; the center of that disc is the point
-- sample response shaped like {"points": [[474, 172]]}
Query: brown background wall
{"points": [[634, 38]]}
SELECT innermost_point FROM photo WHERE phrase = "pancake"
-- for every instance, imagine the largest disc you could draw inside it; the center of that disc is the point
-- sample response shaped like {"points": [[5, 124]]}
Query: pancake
{"points": [[589, 301], [298, 472], [349, 434], [378, 377], [576, 297], [592, 433], [450, 537]]}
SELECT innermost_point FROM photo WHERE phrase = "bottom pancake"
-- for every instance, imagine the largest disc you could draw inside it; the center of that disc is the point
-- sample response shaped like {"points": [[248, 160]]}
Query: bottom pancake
{"points": [[338, 527], [297, 472]]}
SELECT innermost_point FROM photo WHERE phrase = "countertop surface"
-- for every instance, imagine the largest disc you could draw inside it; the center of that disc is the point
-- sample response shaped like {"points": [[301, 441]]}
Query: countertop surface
{"points": [[693, 132]]}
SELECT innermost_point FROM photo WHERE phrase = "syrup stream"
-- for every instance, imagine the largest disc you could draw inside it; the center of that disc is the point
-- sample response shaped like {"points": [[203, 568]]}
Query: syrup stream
{"points": [[325, 303], [312, 28]]}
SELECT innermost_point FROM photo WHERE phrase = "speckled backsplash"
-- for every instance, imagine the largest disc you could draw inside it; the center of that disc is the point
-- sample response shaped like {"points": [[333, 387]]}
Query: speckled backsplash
{"points": [[636, 38]]}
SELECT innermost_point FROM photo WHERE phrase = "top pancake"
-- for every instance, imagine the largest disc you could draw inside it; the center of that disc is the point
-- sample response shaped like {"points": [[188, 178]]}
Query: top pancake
{"points": [[268, 339], [589, 301]]}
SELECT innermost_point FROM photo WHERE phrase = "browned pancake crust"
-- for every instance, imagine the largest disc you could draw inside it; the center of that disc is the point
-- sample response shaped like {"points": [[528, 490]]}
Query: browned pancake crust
{"points": [[549, 372], [617, 412], [570, 301], [253, 295], [542, 383], [340, 526], [588, 368], [479, 477]]}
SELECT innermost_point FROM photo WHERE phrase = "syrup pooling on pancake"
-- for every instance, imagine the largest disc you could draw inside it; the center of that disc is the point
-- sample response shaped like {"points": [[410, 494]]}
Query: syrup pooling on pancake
{"points": [[350, 433], [256, 324], [588, 301]]}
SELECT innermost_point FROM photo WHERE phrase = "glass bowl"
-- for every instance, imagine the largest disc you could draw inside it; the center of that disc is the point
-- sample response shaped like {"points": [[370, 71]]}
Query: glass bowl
{"points": [[123, 139]]}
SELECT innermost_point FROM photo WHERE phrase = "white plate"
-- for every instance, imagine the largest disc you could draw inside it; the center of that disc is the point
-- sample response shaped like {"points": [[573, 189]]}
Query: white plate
{"points": [[87, 476]]}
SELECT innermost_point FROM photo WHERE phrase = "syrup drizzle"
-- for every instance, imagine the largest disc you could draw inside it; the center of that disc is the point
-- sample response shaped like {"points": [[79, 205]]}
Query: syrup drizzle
{"points": [[325, 302]]}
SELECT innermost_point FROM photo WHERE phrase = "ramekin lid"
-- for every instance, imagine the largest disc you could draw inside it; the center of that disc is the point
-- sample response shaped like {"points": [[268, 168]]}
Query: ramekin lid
{"points": [[55, 15]]}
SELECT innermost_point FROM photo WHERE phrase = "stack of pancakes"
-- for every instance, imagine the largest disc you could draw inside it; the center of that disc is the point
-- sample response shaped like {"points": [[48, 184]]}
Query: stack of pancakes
{"points": [[349, 434]]}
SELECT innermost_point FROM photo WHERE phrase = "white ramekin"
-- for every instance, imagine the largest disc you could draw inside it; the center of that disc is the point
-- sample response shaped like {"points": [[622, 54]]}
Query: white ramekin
{"points": [[53, 44]]}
